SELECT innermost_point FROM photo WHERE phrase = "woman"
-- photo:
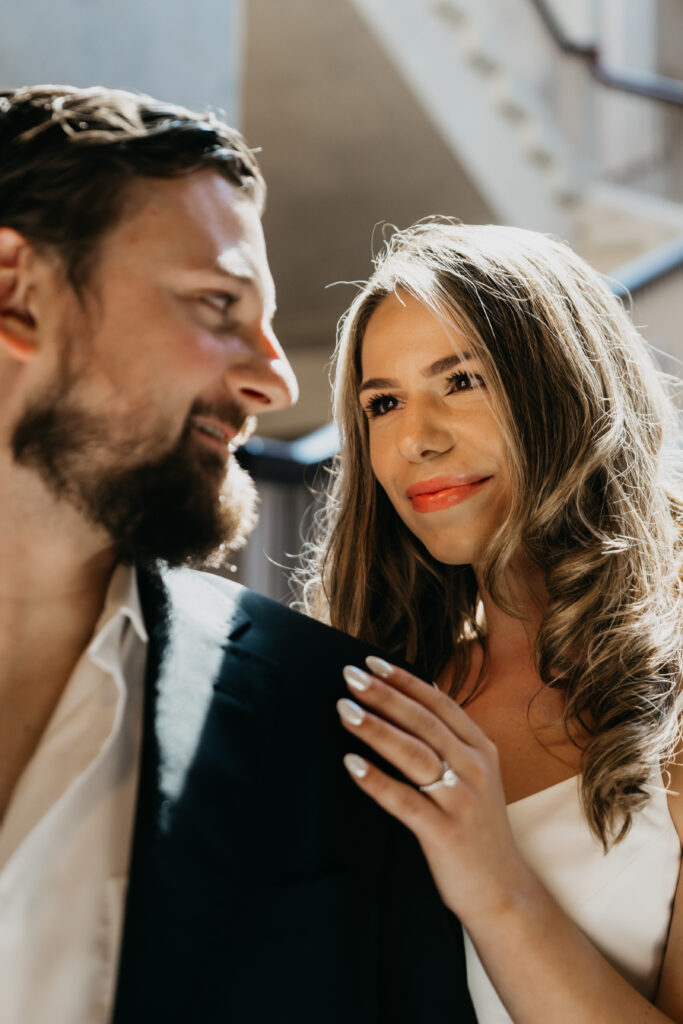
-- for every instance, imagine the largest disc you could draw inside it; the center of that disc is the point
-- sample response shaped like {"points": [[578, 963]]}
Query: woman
{"points": [[505, 516]]}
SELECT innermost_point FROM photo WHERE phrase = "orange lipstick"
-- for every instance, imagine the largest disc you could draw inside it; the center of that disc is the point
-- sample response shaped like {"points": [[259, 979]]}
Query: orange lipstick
{"points": [[443, 492]]}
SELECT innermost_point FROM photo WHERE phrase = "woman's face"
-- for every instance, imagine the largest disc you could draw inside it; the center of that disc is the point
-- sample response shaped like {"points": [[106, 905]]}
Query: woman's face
{"points": [[435, 445]]}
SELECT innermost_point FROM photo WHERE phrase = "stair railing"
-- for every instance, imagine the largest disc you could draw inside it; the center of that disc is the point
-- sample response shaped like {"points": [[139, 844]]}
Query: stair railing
{"points": [[636, 123], [639, 83]]}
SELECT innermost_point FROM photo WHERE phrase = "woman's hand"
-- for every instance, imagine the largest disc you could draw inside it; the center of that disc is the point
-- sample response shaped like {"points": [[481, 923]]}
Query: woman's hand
{"points": [[463, 829]]}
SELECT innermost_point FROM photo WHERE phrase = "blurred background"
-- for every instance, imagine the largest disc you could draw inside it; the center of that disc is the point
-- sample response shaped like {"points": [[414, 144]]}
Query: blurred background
{"points": [[564, 117]]}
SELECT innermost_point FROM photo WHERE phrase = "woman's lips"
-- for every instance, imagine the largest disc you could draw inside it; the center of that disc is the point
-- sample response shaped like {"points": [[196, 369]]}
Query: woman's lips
{"points": [[443, 492]]}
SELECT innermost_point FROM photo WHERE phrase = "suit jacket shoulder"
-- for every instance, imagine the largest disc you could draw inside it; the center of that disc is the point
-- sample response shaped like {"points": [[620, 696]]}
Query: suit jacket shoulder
{"points": [[262, 879]]}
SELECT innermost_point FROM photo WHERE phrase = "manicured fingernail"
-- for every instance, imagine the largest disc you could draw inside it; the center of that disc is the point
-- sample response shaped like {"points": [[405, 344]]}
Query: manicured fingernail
{"points": [[356, 677], [350, 711], [356, 765], [379, 667]]}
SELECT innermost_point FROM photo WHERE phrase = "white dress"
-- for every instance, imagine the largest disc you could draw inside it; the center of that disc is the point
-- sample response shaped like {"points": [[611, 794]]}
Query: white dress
{"points": [[621, 900]]}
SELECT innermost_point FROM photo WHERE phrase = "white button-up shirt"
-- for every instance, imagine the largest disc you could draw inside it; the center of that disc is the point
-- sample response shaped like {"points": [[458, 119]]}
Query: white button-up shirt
{"points": [[66, 837]]}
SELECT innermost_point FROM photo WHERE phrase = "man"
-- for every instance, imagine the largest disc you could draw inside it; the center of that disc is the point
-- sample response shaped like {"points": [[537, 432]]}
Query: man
{"points": [[178, 840]]}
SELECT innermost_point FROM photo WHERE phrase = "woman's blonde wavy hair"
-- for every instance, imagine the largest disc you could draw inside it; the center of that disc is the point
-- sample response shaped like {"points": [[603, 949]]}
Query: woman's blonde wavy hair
{"points": [[592, 437]]}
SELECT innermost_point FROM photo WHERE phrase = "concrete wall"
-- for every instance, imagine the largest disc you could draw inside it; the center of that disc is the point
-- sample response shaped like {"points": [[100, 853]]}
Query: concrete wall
{"points": [[658, 312], [346, 147], [669, 35], [579, 18], [188, 53]]}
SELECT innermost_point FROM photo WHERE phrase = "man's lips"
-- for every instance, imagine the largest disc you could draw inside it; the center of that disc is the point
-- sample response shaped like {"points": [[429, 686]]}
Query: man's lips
{"points": [[443, 491], [214, 430]]}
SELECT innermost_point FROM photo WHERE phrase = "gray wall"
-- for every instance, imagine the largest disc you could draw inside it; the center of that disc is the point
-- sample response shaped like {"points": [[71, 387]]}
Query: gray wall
{"points": [[188, 53]]}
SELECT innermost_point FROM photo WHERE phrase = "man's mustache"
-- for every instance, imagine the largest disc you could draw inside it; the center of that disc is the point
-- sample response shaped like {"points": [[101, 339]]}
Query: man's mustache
{"points": [[232, 414]]}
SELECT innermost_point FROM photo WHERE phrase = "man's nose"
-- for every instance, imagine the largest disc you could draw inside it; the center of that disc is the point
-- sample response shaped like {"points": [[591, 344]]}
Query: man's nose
{"points": [[263, 379]]}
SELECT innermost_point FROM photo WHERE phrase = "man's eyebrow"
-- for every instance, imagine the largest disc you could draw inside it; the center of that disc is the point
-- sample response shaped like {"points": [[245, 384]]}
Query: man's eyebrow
{"points": [[248, 279], [233, 263], [433, 370]]}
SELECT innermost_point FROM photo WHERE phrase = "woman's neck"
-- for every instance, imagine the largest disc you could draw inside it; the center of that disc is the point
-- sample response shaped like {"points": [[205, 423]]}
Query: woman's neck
{"points": [[510, 638]]}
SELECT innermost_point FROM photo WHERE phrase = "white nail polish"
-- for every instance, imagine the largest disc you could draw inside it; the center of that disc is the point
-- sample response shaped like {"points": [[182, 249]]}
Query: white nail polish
{"points": [[379, 667], [356, 765], [350, 711], [356, 677]]}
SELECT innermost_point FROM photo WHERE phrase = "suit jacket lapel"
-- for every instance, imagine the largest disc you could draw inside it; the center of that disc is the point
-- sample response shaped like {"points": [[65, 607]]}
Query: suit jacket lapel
{"points": [[185, 652]]}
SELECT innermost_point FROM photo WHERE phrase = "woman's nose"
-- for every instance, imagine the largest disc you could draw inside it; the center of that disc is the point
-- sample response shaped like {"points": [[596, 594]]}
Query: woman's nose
{"points": [[424, 435]]}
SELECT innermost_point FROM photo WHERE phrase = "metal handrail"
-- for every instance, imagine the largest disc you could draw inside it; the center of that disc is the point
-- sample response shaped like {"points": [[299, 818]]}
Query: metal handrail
{"points": [[641, 273], [290, 462], [639, 83]]}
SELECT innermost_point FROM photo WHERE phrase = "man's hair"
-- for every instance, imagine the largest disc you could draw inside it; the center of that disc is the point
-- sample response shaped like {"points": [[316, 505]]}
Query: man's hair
{"points": [[68, 157]]}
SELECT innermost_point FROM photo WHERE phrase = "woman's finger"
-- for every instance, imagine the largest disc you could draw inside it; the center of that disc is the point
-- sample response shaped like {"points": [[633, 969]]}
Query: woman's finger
{"points": [[420, 763], [408, 716], [443, 706], [422, 816], [403, 711]]}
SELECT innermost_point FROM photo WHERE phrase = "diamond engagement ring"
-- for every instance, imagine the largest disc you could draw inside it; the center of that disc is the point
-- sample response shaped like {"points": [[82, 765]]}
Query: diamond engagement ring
{"points": [[447, 778]]}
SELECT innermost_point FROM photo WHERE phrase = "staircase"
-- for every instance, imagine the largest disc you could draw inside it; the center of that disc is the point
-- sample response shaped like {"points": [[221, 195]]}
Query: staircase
{"points": [[555, 140], [453, 59], [540, 127]]}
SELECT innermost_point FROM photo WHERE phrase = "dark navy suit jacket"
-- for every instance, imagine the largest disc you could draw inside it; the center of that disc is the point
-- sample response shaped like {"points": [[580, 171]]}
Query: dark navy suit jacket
{"points": [[264, 886]]}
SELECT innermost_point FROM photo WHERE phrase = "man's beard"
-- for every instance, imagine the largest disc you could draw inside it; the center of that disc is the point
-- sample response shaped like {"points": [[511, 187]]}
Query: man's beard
{"points": [[182, 508]]}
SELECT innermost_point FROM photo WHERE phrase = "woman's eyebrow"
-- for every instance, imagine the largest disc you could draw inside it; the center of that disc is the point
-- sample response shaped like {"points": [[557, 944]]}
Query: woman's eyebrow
{"points": [[447, 363], [433, 370]]}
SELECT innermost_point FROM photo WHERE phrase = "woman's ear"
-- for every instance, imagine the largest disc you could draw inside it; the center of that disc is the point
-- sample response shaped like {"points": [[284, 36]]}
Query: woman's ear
{"points": [[18, 328]]}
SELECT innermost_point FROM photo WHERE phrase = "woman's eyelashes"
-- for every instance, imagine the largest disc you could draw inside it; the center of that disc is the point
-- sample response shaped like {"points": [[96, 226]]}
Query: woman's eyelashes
{"points": [[381, 404], [465, 381]]}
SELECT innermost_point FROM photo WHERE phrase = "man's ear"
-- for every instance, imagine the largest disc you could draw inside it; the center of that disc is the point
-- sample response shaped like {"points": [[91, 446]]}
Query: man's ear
{"points": [[18, 328]]}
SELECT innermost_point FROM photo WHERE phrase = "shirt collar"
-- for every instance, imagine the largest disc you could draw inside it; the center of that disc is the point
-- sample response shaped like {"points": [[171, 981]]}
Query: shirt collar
{"points": [[121, 605]]}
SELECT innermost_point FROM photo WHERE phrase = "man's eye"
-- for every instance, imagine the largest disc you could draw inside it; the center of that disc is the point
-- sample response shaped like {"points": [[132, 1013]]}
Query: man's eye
{"points": [[380, 405], [221, 302], [465, 381]]}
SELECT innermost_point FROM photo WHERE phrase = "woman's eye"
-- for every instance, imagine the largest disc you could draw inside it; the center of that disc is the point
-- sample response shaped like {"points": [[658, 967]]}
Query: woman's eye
{"points": [[380, 405], [465, 381]]}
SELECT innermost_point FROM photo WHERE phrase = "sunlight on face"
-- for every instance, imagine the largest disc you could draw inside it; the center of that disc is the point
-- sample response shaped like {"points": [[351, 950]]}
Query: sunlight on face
{"points": [[435, 444], [136, 430]]}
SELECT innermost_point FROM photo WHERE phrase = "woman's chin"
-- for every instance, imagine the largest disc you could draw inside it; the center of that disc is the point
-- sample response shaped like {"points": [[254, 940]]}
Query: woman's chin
{"points": [[449, 553]]}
